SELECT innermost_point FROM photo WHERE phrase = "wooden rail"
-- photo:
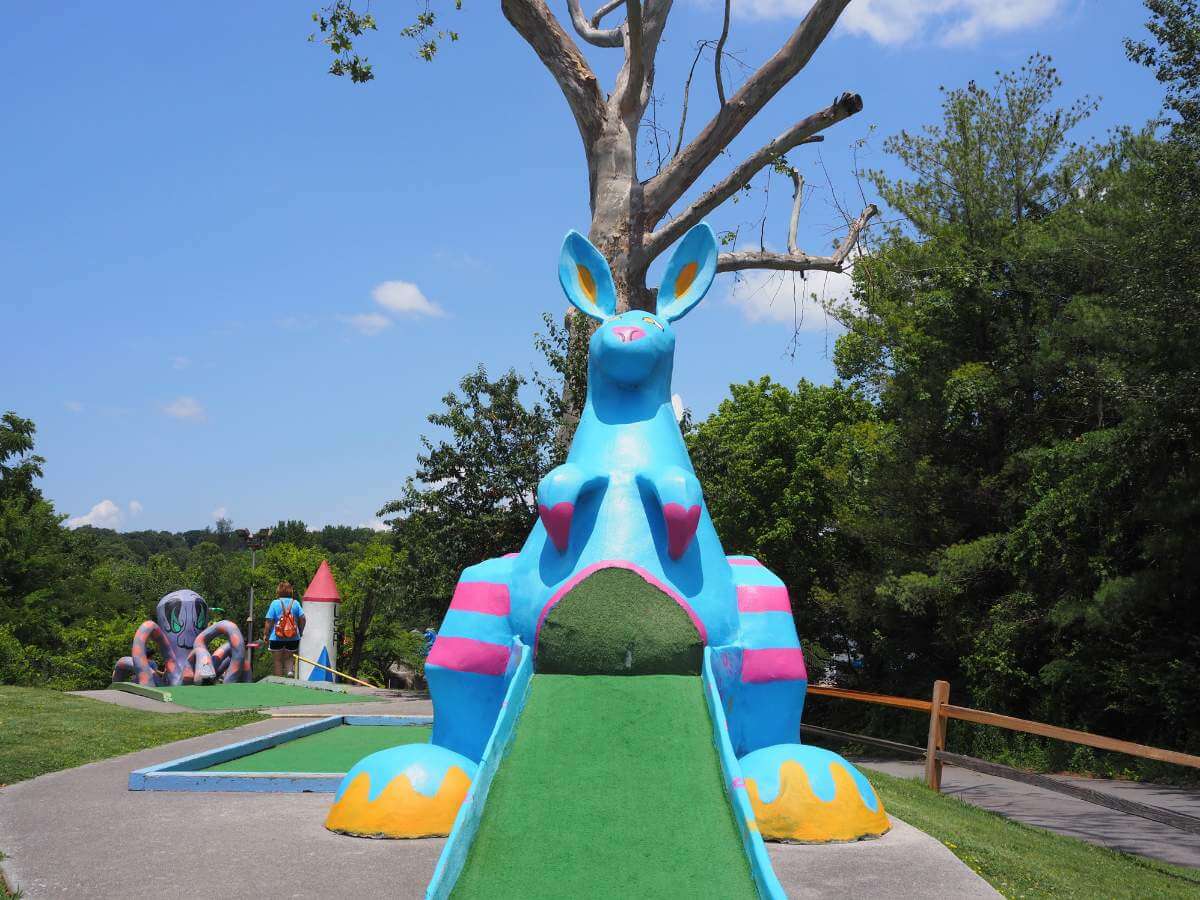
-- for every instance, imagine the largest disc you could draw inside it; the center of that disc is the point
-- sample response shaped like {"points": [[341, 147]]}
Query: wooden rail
{"points": [[940, 711], [864, 697], [1098, 741]]}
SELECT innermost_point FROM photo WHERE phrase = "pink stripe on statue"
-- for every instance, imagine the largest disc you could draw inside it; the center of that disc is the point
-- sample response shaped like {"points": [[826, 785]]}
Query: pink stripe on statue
{"points": [[468, 655], [784, 664], [763, 598], [481, 597], [743, 561]]}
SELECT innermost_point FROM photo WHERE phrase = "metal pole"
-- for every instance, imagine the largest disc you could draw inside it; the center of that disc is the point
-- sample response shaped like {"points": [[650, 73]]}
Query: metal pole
{"points": [[336, 672]]}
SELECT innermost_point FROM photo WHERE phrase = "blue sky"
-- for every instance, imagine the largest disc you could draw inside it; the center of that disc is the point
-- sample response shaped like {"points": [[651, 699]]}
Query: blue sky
{"points": [[235, 284]]}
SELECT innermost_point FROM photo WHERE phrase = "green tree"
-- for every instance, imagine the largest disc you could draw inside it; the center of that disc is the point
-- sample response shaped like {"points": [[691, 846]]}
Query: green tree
{"points": [[473, 494], [782, 472], [292, 531], [1029, 336]]}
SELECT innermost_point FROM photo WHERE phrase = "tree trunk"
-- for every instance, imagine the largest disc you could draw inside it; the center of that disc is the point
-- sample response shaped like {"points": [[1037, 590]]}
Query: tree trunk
{"points": [[618, 223]]}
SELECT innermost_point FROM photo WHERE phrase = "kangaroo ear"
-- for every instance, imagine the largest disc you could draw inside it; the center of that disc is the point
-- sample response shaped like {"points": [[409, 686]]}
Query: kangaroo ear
{"points": [[689, 274], [585, 277]]}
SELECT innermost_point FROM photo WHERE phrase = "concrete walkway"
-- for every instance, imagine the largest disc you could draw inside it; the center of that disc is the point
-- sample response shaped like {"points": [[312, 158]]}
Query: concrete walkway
{"points": [[81, 833], [1075, 818], [904, 864]]}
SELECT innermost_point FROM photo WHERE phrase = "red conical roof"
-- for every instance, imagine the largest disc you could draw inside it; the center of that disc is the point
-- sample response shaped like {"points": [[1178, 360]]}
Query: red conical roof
{"points": [[322, 589]]}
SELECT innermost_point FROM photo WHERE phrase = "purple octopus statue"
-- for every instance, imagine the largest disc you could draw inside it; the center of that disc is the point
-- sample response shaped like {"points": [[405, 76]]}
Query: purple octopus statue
{"points": [[181, 635]]}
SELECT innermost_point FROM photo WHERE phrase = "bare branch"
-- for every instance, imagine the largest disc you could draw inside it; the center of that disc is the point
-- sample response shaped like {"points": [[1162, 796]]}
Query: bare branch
{"points": [[600, 37], [687, 86], [720, 52], [633, 53], [604, 11], [533, 21], [669, 185], [797, 197], [799, 262], [804, 131]]}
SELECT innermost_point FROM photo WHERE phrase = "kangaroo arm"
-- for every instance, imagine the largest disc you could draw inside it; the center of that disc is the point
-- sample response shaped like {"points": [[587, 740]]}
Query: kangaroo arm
{"points": [[679, 498], [558, 494]]}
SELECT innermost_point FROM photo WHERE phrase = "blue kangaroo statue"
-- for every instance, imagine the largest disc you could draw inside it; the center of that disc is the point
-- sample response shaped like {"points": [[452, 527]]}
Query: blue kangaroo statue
{"points": [[627, 497]]}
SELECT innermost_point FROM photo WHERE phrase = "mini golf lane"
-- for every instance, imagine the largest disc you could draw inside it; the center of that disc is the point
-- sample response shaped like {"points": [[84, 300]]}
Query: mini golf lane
{"points": [[333, 750], [612, 788], [253, 696]]}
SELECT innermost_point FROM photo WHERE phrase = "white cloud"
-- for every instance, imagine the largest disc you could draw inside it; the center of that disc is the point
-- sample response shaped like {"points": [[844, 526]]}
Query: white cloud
{"points": [[764, 296], [370, 323], [104, 514], [186, 408], [135, 508], [180, 362], [376, 525], [405, 298], [948, 22], [220, 513], [74, 406]]}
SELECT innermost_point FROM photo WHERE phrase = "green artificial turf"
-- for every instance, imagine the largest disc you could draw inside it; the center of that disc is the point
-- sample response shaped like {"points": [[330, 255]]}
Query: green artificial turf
{"points": [[1021, 861], [614, 622], [611, 788], [44, 731], [254, 696], [333, 750]]}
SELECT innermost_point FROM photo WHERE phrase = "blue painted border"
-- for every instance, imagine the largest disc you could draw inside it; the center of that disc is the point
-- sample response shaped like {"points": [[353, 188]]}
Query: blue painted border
{"points": [[466, 824], [761, 869], [186, 773]]}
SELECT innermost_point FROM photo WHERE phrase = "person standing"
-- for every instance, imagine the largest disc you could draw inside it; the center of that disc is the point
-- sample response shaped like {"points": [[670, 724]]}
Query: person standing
{"points": [[282, 629]]}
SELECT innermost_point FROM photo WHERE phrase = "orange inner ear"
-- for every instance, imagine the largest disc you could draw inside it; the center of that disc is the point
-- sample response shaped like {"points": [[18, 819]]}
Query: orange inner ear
{"points": [[684, 279], [586, 281]]}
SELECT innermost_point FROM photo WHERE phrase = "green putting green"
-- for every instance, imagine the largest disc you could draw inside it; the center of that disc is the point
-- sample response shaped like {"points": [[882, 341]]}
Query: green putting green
{"points": [[252, 696], [611, 788], [333, 750]]}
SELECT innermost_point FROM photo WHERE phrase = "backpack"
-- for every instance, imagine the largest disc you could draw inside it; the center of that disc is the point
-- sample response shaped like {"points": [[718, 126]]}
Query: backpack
{"points": [[285, 628]]}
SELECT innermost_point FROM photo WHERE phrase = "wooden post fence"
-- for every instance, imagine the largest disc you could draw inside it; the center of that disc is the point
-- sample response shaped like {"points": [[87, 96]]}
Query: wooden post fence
{"points": [[937, 734], [940, 711]]}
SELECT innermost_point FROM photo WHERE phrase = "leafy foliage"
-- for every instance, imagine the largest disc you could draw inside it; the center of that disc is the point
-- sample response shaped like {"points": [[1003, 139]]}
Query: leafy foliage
{"points": [[341, 24]]}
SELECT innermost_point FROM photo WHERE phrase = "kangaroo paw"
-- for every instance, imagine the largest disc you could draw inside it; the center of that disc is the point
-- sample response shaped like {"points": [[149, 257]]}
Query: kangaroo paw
{"points": [[557, 519], [681, 527]]}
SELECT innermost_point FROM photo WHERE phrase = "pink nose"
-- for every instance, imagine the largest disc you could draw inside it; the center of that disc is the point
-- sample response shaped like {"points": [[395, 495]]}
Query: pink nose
{"points": [[628, 333]]}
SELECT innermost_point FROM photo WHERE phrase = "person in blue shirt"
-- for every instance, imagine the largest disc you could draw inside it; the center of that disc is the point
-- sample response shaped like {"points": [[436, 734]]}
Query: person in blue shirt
{"points": [[282, 629]]}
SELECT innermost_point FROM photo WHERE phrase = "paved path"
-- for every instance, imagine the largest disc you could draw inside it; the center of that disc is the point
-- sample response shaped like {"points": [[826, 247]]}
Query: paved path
{"points": [[80, 833], [904, 864], [1075, 818]]}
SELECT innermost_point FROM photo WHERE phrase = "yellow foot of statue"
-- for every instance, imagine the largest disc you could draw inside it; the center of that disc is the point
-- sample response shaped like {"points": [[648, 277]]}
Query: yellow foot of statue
{"points": [[410, 791], [810, 795]]}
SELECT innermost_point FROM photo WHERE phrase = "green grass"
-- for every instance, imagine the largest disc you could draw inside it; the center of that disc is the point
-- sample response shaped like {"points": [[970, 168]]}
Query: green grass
{"points": [[255, 696], [1021, 861], [612, 788], [614, 622], [333, 750], [44, 731]]}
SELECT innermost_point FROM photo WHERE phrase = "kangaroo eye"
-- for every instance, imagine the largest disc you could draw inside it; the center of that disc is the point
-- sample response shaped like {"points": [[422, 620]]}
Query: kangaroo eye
{"points": [[657, 324]]}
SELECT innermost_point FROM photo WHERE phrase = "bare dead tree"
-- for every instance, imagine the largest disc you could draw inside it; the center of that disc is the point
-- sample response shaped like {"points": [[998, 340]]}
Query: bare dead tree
{"points": [[632, 221]]}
